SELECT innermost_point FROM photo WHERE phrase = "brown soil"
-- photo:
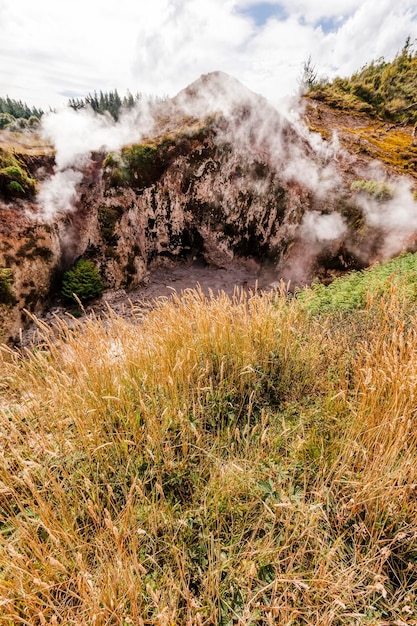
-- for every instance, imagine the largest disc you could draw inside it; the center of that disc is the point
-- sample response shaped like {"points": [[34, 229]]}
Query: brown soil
{"points": [[365, 137], [161, 283]]}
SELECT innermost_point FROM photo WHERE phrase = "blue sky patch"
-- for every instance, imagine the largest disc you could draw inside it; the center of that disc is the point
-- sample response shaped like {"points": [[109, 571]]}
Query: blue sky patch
{"points": [[263, 11], [331, 24], [69, 93]]}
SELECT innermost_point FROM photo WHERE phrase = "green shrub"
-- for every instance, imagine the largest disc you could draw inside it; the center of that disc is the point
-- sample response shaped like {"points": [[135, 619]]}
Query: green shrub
{"points": [[6, 281], [18, 124], [144, 165], [138, 165], [33, 121], [115, 171], [16, 188], [14, 178], [374, 188], [82, 282], [5, 120]]}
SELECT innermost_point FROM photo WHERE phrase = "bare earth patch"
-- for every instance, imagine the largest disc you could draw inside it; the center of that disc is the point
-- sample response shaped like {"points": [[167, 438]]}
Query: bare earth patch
{"points": [[161, 283]]}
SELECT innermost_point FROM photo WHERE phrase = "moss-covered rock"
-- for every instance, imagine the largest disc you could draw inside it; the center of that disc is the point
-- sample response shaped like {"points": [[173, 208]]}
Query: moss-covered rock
{"points": [[108, 217], [15, 181]]}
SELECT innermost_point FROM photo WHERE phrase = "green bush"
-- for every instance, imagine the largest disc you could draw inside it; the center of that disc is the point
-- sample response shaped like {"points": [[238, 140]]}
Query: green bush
{"points": [[6, 281], [115, 171], [5, 120], [15, 188], [82, 282], [33, 121], [144, 165], [376, 189], [14, 178], [138, 165]]}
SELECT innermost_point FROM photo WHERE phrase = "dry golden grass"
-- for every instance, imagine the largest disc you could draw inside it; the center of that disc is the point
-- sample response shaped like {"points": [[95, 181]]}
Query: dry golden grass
{"points": [[220, 462], [25, 142]]}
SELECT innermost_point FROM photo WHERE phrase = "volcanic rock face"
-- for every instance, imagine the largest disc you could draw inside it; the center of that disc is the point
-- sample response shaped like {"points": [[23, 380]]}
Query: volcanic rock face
{"points": [[220, 175]]}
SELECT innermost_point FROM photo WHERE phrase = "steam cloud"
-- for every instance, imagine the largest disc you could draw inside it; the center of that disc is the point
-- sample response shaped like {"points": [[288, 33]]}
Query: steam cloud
{"points": [[75, 134], [396, 216], [319, 228], [59, 193]]}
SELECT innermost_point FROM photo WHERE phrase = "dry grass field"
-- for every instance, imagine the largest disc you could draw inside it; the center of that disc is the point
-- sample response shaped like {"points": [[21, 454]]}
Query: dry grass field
{"points": [[240, 460]]}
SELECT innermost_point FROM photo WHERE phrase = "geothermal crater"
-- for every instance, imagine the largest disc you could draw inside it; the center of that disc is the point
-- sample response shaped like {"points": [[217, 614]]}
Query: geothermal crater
{"points": [[214, 186]]}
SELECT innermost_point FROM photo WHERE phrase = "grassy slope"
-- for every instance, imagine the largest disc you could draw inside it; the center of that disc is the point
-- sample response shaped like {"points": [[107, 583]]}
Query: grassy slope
{"points": [[381, 88], [377, 106], [222, 462]]}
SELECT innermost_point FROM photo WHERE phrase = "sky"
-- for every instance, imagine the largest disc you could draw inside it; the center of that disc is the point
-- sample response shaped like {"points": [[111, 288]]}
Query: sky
{"points": [[51, 51]]}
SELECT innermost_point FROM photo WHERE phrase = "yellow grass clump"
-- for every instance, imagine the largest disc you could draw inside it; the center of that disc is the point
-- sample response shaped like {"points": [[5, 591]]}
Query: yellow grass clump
{"points": [[222, 461]]}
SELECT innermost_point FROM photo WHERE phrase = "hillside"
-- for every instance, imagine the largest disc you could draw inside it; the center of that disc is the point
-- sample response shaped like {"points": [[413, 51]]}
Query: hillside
{"points": [[374, 111], [383, 89]]}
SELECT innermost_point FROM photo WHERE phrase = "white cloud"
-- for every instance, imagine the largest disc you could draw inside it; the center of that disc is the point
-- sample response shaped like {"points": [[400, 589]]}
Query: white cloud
{"points": [[315, 11], [51, 48]]}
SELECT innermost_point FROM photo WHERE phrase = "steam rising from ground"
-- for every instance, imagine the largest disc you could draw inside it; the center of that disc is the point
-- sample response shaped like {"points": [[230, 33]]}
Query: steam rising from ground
{"points": [[251, 125], [395, 217], [75, 134], [319, 228], [59, 193]]}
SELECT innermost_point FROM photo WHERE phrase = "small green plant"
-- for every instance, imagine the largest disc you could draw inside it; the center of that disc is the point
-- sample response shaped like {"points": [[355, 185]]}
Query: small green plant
{"points": [[16, 188], [82, 282], [33, 121], [108, 217], [15, 181], [115, 171], [6, 282], [143, 164], [5, 120], [378, 190]]}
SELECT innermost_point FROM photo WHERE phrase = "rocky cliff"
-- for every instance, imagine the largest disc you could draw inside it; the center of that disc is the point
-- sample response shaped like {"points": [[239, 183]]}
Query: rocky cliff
{"points": [[218, 175]]}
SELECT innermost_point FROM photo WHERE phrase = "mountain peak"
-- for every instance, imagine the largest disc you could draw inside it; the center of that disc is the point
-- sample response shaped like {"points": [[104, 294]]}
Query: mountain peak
{"points": [[214, 92]]}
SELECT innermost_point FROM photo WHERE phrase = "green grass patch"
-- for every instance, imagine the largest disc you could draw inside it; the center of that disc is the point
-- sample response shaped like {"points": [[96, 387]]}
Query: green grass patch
{"points": [[376, 189], [357, 289]]}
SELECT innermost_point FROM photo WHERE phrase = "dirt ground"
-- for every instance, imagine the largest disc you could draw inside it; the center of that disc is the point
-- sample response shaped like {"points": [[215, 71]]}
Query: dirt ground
{"points": [[161, 282]]}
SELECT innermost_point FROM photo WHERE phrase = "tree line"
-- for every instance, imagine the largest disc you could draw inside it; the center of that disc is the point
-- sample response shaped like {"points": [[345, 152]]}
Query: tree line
{"points": [[18, 109], [108, 102]]}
